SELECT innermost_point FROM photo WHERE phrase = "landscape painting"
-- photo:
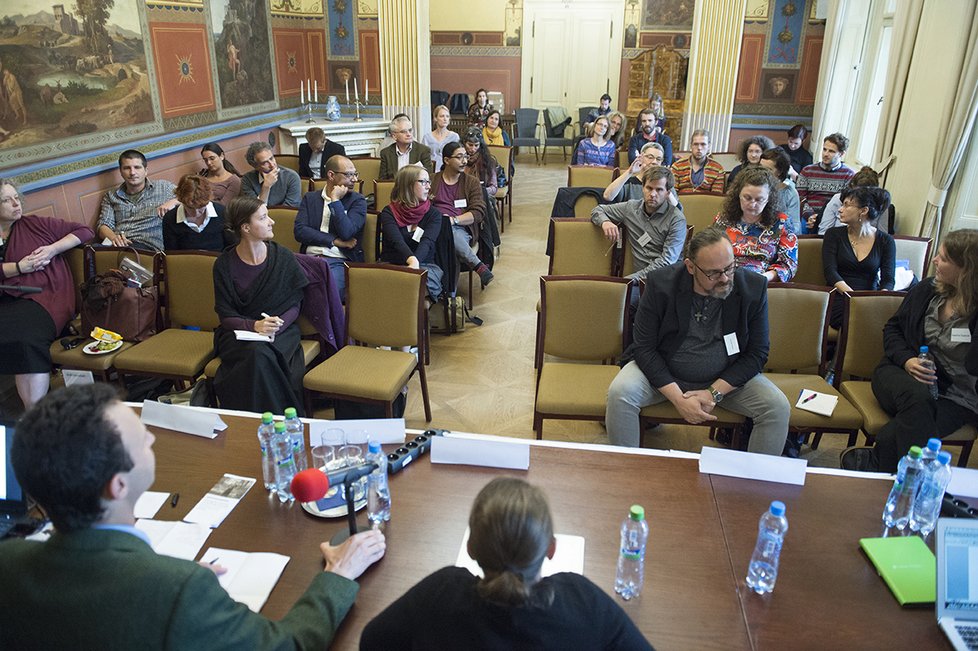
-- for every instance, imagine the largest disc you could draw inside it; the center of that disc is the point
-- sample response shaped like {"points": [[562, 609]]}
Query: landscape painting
{"points": [[241, 50]]}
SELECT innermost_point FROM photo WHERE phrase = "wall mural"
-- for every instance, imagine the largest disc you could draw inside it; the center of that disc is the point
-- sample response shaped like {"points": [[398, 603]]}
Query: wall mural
{"points": [[241, 49], [341, 32], [668, 15], [787, 22]]}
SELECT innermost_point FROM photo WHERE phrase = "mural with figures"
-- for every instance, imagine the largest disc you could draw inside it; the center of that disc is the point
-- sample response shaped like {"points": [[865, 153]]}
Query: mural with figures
{"points": [[244, 68]]}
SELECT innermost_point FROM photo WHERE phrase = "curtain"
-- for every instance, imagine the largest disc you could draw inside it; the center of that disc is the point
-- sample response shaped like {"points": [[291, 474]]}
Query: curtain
{"points": [[821, 122]]}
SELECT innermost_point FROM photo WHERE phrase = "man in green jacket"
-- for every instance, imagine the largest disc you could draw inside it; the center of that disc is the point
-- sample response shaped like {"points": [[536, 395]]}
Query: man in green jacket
{"points": [[97, 584]]}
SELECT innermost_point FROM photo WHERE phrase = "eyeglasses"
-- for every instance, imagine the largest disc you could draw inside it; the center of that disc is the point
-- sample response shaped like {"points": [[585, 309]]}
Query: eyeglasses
{"points": [[460, 156], [715, 274], [425, 182], [351, 175], [752, 200]]}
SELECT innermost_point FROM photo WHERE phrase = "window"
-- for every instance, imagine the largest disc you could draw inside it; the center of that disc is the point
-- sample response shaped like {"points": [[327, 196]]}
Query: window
{"points": [[867, 108]]}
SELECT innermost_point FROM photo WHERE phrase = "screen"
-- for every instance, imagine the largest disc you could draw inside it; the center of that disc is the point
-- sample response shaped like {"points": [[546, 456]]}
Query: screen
{"points": [[961, 569], [9, 488]]}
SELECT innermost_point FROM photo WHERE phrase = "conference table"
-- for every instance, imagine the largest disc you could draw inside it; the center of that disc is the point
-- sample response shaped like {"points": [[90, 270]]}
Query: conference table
{"points": [[702, 532]]}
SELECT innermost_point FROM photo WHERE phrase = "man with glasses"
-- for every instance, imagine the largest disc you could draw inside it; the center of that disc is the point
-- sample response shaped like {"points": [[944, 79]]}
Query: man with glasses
{"points": [[458, 197], [271, 184], [330, 222], [700, 338], [404, 150], [628, 185]]}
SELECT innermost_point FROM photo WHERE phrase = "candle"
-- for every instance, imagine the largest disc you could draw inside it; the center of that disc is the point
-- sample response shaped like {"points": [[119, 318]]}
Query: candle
{"points": [[366, 91], [347, 80], [356, 90], [302, 97], [316, 86]]}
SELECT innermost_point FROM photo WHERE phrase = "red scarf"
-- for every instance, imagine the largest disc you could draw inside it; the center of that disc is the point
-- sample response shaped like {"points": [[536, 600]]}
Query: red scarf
{"points": [[408, 216]]}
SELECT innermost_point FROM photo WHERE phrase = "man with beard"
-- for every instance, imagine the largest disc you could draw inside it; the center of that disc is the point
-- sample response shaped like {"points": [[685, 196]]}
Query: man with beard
{"points": [[699, 172], [701, 337], [647, 132]]}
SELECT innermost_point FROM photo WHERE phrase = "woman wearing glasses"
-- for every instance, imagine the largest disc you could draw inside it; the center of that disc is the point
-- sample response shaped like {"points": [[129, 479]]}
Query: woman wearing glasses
{"points": [[480, 164], [410, 225], [757, 229]]}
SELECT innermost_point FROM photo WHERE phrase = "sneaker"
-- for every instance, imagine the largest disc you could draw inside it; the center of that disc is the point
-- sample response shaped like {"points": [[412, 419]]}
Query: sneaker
{"points": [[485, 275], [859, 458]]}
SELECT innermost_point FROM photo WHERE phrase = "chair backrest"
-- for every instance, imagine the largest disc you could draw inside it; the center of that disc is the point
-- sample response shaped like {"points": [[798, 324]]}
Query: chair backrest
{"points": [[75, 258], [584, 204], [371, 238], [810, 270], [502, 154], [797, 321], [701, 208], [601, 336], [579, 248], [582, 113], [527, 120], [190, 289], [916, 250], [98, 259], [385, 305], [628, 260], [382, 194], [728, 159], [289, 161], [368, 169], [623, 159], [284, 230], [860, 346], [553, 120], [317, 185], [590, 176]]}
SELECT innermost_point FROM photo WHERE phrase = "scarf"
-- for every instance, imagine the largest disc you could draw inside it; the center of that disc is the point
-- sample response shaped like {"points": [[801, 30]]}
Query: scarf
{"points": [[493, 136], [409, 216]]}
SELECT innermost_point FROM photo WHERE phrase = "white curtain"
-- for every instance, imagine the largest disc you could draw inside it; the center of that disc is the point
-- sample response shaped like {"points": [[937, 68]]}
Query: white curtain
{"points": [[834, 24]]}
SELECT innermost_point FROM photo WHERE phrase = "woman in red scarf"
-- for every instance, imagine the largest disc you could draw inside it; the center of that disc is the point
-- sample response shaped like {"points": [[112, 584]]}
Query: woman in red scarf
{"points": [[410, 225]]}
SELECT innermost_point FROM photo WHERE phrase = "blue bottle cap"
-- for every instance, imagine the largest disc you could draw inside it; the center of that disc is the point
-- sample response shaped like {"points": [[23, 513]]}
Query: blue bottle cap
{"points": [[944, 457], [373, 446], [934, 444], [777, 508], [924, 349]]}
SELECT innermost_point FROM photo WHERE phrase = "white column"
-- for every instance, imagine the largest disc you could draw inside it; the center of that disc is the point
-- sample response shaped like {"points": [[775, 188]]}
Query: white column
{"points": [[405, 60]]}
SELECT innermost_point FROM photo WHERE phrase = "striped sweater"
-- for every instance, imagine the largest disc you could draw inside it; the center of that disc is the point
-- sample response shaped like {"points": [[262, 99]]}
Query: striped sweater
{"points": [[816, 185], [713, 176]]}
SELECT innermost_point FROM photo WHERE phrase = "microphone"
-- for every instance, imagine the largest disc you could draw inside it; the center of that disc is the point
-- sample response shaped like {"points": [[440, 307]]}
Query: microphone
{"points": [[313, 484], [26, 289]]}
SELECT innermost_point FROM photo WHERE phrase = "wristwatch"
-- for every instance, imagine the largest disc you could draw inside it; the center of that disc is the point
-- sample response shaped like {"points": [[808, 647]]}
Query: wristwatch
{"points": [[717, 396]]}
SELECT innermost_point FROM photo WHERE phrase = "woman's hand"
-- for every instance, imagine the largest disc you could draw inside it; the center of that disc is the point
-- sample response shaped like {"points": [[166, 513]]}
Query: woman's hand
{"points": [[270, 325], [45, 253], [32, 262], [919, 371], [413, 262]]}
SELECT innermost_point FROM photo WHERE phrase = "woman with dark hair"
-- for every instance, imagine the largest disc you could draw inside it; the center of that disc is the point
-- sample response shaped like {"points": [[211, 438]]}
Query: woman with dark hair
{"points": [[224, 178], [257, 288], [866, 177], [195, 223], [596, 150], [512, 606], [758, 230], [778, 163], [800, 157], [750, 154], [410, 225], [480, 109], [481, 164], [940, 312], [492, 133]]}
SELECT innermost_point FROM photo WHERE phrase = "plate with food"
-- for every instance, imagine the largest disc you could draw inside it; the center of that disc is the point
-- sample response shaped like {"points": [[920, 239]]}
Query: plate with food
{"points": [[106, 341]]}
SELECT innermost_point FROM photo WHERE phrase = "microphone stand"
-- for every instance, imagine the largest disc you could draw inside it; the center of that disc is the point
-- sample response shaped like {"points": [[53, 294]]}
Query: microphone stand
{"points": [[351, 513], [26, 289]]}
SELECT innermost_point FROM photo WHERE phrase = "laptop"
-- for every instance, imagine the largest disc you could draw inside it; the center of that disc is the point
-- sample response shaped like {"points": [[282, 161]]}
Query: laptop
{"points": [[957, 581], [13, 502]]}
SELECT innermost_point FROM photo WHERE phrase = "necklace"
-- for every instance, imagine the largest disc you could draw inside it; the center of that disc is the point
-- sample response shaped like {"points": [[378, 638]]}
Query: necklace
{"points": [[703, 307]]}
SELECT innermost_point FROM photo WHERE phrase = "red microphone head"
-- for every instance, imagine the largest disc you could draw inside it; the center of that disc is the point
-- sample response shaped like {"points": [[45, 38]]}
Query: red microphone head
{"points": [[310, 485]]}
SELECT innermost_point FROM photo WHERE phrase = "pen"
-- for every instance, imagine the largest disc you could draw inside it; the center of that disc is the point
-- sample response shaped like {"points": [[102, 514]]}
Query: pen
{"points": [[176, 498], [811, 397], [213, 560]]}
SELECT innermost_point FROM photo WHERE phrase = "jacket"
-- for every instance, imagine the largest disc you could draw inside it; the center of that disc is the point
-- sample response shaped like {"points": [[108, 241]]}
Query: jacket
{"points": [[347, 217]]}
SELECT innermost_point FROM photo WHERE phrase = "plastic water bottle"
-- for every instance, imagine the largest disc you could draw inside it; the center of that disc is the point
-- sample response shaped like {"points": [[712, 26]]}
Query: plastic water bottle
{"points": [[928, 360], [631, 558], [899, 504], [297, 433], [284, 463], [378, 491], [930, 497], [762, 573], [265, 432], [928, 454]]}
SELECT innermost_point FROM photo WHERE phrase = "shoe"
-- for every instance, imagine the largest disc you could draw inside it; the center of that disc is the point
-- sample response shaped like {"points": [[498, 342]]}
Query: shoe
{"points": [[485, 276], [859, 458]]}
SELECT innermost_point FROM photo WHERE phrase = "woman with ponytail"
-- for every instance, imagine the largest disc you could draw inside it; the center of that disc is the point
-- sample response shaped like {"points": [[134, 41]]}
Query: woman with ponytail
{"points": [[512, 606]]}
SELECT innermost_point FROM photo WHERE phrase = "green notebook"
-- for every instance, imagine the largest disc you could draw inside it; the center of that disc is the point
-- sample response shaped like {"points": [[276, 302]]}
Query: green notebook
{"points": [[907, 566]]}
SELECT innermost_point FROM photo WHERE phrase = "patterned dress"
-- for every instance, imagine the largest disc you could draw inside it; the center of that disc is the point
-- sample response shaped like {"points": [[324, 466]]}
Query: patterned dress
{"points": [[762, 249]]}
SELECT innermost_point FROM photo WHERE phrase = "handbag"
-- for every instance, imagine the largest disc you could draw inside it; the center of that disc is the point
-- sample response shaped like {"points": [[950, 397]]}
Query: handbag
{"points": [[110, 302], [448, 316]]}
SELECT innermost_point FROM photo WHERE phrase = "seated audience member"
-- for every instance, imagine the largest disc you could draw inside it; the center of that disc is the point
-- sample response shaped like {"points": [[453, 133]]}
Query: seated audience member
{"points": [[817, 183], [603, 110], [618, 129], [314, 153], [258, 277], [330, 222], [225, 180], [684, 349], [458, 197], [858, 255], [513, 606], [628, 185], [758, 230], [481, 164], [655, 227], [479, 110], [271, 184], [750, 154], [778, 163], [800, 157], [866, 177], [30, 254], [648, 131], [196, 223], [410, 226], [596, 149], [655, 103], [86, 458], [403, 151], [440, 134], [699, 172], [130, 214], [492, 133], [940, 312]]}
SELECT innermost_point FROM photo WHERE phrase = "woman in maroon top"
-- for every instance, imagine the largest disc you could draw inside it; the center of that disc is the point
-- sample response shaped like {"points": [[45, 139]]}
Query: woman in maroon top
{"points": [[30, 253]]}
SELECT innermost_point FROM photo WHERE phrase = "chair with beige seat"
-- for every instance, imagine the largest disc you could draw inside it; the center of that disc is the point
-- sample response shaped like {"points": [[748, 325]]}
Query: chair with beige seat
{"points": [[382, 195], [368, 169], [590, 176], [284, 229], [578, 389], [504, 195], [701, 208], [385, 306]]}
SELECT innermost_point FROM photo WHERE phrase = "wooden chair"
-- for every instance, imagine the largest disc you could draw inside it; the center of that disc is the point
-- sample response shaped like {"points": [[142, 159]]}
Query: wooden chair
{"points": [[628, 259], [578, 390], [554, 139], [368, 170], [701, 208], [382, 195], [371, 238], [579, 249], [583, 206], [916, 250], [288, 161], [525, 130], [317, 185], [284, 229], [590, 176], [728, 159], [810, 270], [384, 307], [623, 163], [504, 196]]}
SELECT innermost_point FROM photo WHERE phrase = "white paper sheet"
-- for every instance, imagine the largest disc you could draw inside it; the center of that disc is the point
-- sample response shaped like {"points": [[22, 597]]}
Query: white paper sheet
{"points": [[964, 482], [177, 539], [220, 500], [473, 452], [248, 335], [763, 467], [149, 503], [182, 418], [817, 403], [77, 378], [568, 556], [250, 577], [385, 431]]}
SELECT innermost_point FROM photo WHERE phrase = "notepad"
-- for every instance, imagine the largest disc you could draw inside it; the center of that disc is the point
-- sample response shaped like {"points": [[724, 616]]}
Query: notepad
{"points": [[907, 565], [250, 577], [817, 403], [248, 335], [220, 500], [177, 539]]}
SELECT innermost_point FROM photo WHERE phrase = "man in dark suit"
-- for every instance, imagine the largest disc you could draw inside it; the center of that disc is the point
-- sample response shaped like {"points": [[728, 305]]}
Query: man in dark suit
{"points": [[314, 153], [701, 337], [97, 583], [330, 222], [404, 150]]}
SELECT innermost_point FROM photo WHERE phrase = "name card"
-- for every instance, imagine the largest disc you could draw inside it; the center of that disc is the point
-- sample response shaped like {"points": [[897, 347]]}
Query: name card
{"points": [[181, 418], [747, 465], [472, 452]]}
